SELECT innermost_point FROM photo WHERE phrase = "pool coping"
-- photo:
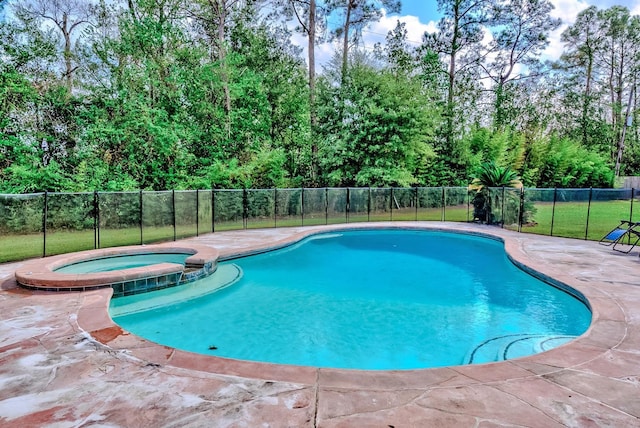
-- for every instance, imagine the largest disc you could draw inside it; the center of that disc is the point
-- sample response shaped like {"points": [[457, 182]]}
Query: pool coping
{"points": [[606, 331]]}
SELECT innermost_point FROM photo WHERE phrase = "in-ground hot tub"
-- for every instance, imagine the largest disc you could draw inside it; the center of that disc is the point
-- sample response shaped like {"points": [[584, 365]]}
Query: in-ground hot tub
{"points": [[166, 265]]}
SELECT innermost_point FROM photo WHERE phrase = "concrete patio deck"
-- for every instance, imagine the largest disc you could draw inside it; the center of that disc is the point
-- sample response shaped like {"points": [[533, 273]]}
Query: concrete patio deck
{"points": [[63, 363]]}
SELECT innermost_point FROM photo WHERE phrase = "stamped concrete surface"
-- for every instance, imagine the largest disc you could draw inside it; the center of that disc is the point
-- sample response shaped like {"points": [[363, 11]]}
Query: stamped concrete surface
{"points": [[63, 363]]}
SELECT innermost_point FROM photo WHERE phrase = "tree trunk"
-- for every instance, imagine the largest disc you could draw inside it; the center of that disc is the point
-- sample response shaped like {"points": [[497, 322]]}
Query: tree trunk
{"points": [[452, 76], [587, 101], [623, 133], [635, 112], [67, 52], [345, 41], [612, 92], [222, 57], [499, 106], [313, 120], [618, 100]]}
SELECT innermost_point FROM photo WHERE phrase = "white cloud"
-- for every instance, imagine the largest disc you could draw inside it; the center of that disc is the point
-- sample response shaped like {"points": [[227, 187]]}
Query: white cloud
{"points": [[567, 10], [323, 51], [375, 33], [554, 49], [415, 28]]}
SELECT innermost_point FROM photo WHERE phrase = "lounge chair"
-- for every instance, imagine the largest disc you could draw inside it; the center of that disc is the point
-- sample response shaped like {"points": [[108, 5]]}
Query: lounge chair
{"points": [[626, 234]]}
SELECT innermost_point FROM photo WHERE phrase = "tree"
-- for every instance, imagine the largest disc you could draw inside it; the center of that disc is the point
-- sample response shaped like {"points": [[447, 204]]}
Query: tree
{"points": [[396, 53], [279, 74], [523, 27], [583, 41], [160, 94], [621, 62], [39, 130], [136, 127], [382, 136], [215, 18], [357, 15], [68, 16], [17, 93], [457, 41], [305, 13]]}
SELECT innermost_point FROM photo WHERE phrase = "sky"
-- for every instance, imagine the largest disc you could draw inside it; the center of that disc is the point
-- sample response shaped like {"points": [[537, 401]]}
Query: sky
{"points": [[422, 15]]}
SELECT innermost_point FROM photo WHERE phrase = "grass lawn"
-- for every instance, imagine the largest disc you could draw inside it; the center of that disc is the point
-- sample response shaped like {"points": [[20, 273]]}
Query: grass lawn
{"points": [[20, 247], [569, 220]]}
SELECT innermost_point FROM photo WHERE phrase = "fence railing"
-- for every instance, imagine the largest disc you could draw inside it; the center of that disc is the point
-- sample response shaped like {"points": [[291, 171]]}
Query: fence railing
{"points": [[44, 224]]}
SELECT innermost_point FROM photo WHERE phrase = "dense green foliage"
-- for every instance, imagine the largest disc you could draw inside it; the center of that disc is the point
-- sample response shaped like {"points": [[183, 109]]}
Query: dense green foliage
{"points": [[165, 94]]}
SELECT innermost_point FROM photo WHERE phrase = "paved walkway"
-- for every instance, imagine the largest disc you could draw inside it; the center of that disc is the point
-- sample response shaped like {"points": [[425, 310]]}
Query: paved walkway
{"points": [[63, 363]]}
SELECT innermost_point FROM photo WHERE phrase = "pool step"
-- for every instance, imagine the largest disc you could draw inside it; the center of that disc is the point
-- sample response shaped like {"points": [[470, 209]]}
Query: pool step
{"points": [[510, 346], [225, 275]]}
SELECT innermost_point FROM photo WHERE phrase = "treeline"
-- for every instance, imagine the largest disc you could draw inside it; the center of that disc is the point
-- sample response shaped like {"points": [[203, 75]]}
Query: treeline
{"points": [[165, 94]]}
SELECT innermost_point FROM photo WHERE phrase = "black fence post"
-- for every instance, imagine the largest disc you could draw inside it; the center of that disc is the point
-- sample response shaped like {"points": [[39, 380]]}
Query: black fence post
{"points": [[391, 203], [302, 205], [197, 212], [442, 202], [44, 224], [140, 199], [326, 205], [245, 208], [95, 219], [98, 218], [468, 204], [213, 209], [502, 213], [173, 214], [631, 208], [553, 209], [416, 201], [275, 207], [369, 206], [521, 213], [347, 206], [586, 229]]}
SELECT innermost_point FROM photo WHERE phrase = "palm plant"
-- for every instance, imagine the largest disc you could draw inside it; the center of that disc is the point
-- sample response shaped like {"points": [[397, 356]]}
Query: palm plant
{"points": [[490, 175]]}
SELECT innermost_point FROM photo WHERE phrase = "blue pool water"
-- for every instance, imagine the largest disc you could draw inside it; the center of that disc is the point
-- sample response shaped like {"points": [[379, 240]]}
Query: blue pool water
{"points": [[385, 299], [106, 264]]}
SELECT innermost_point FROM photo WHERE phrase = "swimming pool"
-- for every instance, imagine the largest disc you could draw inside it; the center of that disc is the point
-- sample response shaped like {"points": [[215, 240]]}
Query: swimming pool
{"points": [[384, 299]]}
